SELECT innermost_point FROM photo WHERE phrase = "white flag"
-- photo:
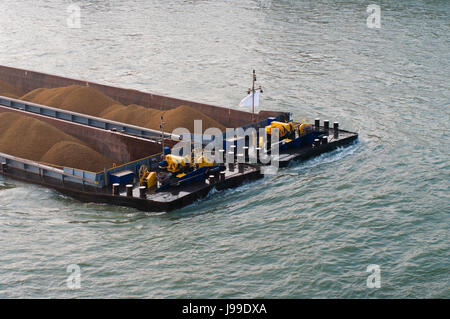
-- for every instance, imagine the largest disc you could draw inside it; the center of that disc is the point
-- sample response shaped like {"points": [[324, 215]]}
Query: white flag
{"points": [[248, 100]]}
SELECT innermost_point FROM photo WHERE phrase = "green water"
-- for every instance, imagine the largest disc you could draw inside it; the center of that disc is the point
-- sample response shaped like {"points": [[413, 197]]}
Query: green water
{"points": [[312, 230]]}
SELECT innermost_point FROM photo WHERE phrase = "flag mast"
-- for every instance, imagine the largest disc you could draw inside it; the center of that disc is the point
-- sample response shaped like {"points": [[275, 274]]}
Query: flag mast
{"points": [[253, 92], [162, 133], [250, 98]]}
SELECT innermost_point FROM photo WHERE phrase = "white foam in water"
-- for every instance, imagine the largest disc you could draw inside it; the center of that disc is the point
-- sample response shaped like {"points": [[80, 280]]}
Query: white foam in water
{"points": [[326, 158]]}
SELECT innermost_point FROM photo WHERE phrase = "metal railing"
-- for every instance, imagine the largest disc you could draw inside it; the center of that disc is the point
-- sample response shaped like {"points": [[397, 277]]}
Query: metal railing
{"points": [[83, 119]]}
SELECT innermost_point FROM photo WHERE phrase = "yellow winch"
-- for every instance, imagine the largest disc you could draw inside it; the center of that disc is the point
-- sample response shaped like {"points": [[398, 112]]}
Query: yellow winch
{"points": [[203, 161], [147, 178], [283, 128], [176, 163]]}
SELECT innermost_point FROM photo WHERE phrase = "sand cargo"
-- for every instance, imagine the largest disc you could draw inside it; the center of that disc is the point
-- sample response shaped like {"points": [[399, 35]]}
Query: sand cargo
{"points": [[25, 81]]}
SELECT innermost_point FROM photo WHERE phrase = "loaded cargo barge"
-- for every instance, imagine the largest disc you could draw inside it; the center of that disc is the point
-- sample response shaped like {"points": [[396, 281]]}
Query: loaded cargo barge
{"points": [[138, 147]]}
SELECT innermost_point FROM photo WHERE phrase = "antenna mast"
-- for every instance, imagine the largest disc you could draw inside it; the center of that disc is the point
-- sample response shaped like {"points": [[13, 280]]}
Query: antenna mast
{"points": [[162, 133], [253, 92]]}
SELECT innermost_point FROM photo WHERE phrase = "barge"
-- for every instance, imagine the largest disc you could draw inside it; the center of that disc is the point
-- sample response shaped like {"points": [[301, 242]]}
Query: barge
{"points": [[139, 147]]}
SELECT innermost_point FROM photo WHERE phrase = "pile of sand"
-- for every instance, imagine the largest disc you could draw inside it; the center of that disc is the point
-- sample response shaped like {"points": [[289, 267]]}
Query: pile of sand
{"points": [[76, 155], [9, 91], [182, 116], [132, 114], [35, 140], [86, 100], [75, 98]]}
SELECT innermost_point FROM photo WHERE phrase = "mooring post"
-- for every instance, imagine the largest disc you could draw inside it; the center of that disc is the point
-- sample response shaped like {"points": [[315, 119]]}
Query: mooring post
{"points": [[230, 161], [233, 150], [336, 129], [258, 154], [116, 189], [240, 158], [316, 142], [222, 155], [268, 142], [256, 143], [247, 140], [129, 190], [246, 156], [143, 192]]}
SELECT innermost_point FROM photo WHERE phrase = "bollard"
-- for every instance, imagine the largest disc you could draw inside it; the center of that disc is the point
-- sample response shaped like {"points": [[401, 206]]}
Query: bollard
{"points": [[240, 158], [129, 190], [336, 129], [324, 139], [142, 192], [222, 155], [256, 143], [258, 154], [326, 125], [317, 123], [230, 157], [246, 156], [230, 161], [316, 142], [268, 142], [247, 140], [211, 179], [233, 150], [116, 189], [222, 176], [241, 167]]}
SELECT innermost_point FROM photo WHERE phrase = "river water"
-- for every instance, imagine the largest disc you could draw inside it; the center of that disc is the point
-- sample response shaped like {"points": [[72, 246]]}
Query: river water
{"points": [[312, 230]]}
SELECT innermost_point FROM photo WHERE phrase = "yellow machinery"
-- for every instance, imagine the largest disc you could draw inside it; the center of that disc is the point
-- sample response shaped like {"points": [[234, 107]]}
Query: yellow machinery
{"points": [[176, 163], [284, 129], [203, 161], [287, 131], [304, 128], [147, 178]]}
